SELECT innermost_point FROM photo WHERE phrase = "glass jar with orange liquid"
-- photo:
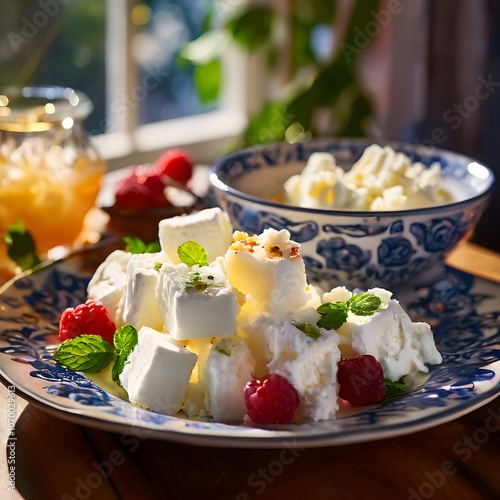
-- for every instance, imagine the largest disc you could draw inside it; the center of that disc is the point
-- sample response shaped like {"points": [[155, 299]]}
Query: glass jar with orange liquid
{"points": [[50, 174]]}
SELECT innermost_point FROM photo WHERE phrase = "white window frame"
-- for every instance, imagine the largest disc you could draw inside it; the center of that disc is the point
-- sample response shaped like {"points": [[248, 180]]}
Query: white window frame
{"points": [[203, 136]]}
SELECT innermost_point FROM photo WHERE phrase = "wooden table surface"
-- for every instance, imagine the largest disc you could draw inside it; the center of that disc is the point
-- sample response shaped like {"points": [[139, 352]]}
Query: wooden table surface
{"points": [[55, 459]]}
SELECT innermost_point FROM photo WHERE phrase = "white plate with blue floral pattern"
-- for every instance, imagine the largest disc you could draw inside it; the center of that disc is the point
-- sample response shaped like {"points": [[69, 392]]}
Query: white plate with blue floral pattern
{"points": [[463, 311]]}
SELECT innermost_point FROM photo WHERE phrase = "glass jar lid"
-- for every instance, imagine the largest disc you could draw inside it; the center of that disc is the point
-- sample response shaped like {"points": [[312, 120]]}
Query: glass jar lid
{"points": [[36, 108]]}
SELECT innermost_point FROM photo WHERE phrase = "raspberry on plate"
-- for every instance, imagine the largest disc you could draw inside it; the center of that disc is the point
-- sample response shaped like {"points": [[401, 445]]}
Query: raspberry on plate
{"points": [[176, 164], [271, 400], [361, 380], [90, 318], [141, 190]]}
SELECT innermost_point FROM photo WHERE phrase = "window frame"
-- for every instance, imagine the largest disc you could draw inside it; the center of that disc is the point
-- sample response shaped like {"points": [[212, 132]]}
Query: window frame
{"points": [[203, 136]]}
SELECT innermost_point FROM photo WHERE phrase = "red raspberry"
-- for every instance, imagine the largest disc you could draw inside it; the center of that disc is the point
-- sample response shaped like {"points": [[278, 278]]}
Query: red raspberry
{"points": [[90, 318], [271, 400], [141, 191], [175, 163], [361, 380]]}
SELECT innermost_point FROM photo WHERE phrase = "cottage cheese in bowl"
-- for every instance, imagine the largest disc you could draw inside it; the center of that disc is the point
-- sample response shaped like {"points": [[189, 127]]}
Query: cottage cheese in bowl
{"points": [[381, 180]]}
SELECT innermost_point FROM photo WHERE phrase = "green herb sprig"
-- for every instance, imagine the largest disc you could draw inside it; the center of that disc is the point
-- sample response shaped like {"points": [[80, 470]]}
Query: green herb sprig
{"points": [[125, 339], [334, 314], [91, 353], [395, 389], [192, 254], [136, 245], [86, 353]]}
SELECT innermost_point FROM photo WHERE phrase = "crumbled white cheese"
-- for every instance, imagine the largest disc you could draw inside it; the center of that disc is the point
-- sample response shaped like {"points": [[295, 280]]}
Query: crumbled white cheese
{"points": [[401, 346], [229, 367], [380, 180], [310, 365]]}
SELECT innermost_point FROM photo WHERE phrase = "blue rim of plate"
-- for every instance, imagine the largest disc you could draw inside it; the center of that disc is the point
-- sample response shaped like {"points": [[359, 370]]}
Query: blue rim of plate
{"points": [[462, 309]]}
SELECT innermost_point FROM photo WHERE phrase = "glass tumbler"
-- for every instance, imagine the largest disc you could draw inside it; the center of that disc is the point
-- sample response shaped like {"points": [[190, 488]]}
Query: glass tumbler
{"points": [[50, 174]]}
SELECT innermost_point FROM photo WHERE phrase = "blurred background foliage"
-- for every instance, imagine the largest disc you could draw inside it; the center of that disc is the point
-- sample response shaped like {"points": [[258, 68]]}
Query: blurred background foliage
{"points": [[322, 95]]}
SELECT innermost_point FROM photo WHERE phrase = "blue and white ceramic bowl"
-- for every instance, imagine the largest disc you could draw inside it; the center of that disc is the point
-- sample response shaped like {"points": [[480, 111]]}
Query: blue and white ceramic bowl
{"points": [[351, 247]]}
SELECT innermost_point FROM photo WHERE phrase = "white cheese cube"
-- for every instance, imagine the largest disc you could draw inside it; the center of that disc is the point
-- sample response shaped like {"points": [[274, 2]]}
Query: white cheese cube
{"points": [[310, 365], [157, 372], [108, 283], [140, 307], [389, 335], [210, 228], [229, 367], [196, 302], [270, 269]]}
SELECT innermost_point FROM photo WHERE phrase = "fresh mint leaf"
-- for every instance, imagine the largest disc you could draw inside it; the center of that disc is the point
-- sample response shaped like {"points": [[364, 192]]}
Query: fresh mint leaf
{"points": [[365, 304], [86, 353], [333, 315], [310, 330], [157, 266], [21, 247], [136, 245], [192, 253], [118, 369], [394, 389], [125, 339]]}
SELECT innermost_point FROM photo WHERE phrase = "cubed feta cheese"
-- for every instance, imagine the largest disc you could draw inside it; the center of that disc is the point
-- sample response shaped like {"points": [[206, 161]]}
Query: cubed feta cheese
{"points": [[140, 307], [196, 302], [210, 228], [270, 269], [157, 372]]}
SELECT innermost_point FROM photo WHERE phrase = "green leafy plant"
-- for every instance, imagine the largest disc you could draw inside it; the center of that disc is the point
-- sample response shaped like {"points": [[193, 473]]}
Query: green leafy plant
{"points": [[323, 95]]}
